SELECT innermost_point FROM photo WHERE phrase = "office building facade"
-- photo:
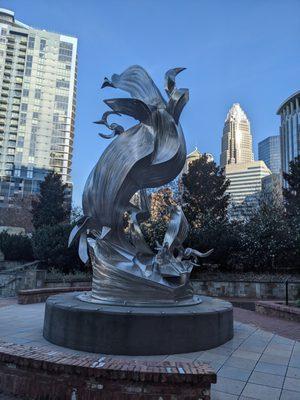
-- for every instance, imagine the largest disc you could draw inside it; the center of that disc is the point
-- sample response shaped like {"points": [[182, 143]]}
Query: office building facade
{"points": [[37, 106], [289, 112], [245, 180], [237, 138], [269, 152]]}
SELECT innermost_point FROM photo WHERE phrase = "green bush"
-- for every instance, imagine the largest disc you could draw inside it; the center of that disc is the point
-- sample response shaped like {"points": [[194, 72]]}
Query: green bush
{"points": [[50, 246], [16, 247], [297, 303]]}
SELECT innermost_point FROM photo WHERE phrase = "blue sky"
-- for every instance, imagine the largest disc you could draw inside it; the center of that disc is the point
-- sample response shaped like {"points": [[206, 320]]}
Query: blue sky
{"points": [[245, 51]]}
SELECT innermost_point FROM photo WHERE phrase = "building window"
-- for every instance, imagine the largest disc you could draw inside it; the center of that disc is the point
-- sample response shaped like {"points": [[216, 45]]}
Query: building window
{"points": [[37, 93], [28, 72], [42, 45], [31, 42], [61, 83], [65, 52], [20, 142], [35, 115], [24, 107], [23, 119], [30, 174], [25, 92], [17, 173], [29, 61]]}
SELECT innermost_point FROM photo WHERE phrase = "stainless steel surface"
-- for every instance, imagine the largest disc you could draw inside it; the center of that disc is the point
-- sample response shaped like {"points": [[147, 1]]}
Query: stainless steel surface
{"points": [[147, 155]]}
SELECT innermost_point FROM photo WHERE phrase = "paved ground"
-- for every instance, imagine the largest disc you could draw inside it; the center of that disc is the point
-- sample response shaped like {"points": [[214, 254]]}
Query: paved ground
{"points": [[256, 364], [288, 329]]}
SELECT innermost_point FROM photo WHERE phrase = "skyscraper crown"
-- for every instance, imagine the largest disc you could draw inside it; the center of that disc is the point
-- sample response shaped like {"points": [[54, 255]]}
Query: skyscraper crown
{"points": [[236, 113]]}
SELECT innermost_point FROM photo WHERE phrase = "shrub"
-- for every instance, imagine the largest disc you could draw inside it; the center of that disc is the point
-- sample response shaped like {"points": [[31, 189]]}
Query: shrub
{"points": [[16, 247], [50, 246]]}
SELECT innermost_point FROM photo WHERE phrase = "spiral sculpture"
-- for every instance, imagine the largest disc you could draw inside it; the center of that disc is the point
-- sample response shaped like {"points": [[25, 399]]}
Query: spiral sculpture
{"points": [[147, 155]]}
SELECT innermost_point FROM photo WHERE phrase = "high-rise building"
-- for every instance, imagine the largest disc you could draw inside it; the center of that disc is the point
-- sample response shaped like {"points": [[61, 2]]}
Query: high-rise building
{"points": [[289, 112], [37, 106], [237, 138], [269, 152], [245, 179]]}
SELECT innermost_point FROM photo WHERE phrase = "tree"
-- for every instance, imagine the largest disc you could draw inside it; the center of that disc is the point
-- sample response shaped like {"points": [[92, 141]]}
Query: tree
{"points": [[50, 209], [18, 213], [204, 192], [268, 241], [50, 247], [205, 205], [292, 192], [155, 227]]}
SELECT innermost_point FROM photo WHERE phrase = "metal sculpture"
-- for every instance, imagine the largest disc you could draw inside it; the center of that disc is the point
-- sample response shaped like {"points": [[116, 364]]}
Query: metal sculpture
{"points": [[149, 154]]}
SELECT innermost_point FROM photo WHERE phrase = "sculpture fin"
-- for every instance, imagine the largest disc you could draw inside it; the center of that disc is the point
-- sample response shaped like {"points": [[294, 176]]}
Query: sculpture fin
{"points": [[177, 102], [82, 249], [133, 107], [106, 83], [104, 232], [170, 83], [80, 226]]}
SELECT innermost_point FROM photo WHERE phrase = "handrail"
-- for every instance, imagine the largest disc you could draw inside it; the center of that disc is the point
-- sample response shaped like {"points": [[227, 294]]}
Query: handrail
{"points": [[11, 281]]}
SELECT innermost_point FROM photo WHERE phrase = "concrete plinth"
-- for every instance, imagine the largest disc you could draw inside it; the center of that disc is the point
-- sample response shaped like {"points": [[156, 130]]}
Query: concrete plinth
{"points": [[126, 330]]}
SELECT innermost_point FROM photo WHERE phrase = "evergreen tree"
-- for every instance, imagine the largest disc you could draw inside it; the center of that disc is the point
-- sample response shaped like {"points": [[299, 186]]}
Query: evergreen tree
{"points": [[49, 208], [204, 192], [292, 192]]}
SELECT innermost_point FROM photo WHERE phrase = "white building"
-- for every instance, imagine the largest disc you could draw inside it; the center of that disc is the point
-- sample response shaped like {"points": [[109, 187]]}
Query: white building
{"points": [[245, 179], [237, 138], [37, 106]]}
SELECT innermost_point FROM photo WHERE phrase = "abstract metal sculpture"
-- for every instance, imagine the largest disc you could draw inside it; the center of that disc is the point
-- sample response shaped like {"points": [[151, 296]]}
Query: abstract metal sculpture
{"points": [[149, 154]]}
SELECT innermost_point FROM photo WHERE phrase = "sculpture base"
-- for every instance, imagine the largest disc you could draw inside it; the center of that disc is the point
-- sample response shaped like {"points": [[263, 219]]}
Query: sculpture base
{"points": [[189, 301], [125, 330]]}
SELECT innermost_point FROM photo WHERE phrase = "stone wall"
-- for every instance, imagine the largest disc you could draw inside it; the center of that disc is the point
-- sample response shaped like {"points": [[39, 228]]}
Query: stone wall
{"points": [[253, 290], [44, 373], [63, 284], [22, 277], [32, 296], [278, 310]]}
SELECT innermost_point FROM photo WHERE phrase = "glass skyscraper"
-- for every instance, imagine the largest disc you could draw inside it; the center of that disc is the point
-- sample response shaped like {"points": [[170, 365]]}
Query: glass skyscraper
{"points": [[269, 152], [37, 106], [289, 112]]}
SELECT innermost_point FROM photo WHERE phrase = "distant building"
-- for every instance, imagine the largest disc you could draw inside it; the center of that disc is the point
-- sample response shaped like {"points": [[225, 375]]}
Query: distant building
{"points": [[195, 155], [289, 112], [245, 180], [269, 152], [38, 72], [237, 138]]}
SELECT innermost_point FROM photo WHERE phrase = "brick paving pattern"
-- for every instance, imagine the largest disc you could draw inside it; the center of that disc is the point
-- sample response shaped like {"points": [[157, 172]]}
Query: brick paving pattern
{"points": [[261, 362]]}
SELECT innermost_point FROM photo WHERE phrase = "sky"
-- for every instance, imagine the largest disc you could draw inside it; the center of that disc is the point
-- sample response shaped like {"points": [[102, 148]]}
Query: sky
{"points": [[245, 51]]}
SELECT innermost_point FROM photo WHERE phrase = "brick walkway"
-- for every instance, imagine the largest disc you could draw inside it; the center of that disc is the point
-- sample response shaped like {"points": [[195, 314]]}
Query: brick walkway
{"points": [[288, 329]]}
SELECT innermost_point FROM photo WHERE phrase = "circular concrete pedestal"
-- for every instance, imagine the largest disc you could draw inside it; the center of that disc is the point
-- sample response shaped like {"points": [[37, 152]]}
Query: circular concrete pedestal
{"points": [[126, 330]]}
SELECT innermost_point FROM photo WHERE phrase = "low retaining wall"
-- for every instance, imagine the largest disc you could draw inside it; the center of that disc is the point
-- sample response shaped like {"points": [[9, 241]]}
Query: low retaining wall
{"points": [[278, 310], [49, 283], [41, 295], [42, 373], [252, 290]]}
